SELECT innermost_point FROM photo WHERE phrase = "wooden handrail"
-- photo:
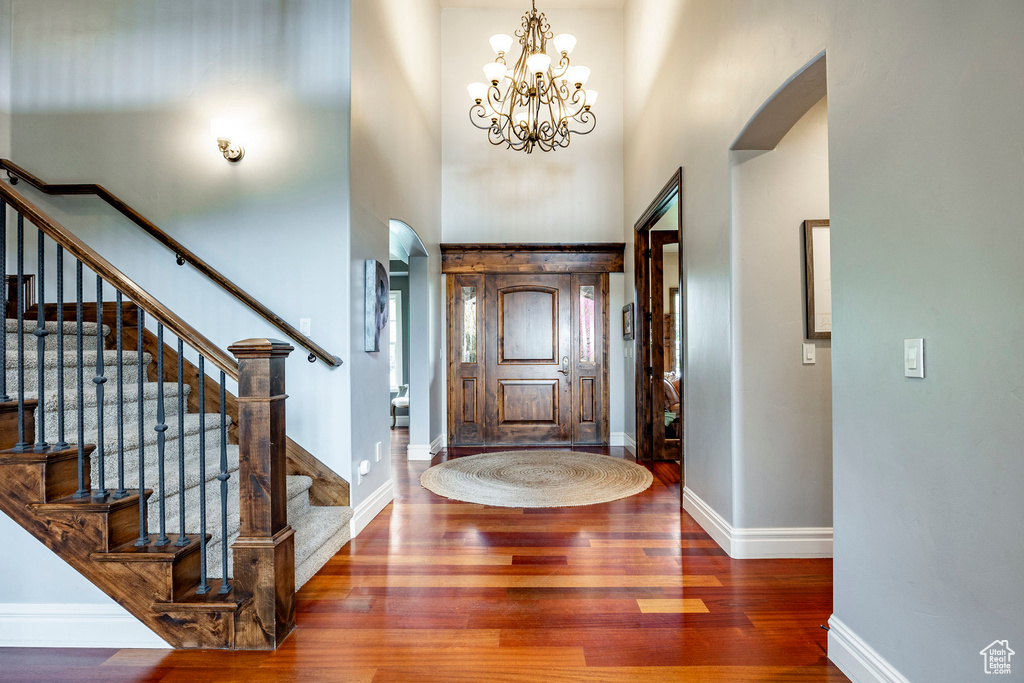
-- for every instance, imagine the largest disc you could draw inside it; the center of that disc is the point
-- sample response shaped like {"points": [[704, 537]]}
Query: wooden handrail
{"points": [[121, 282], [183, 254]]}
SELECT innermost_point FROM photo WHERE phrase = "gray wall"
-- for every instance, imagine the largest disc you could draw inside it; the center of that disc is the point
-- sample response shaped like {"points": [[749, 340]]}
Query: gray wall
{"points": [[782, 409], [925, 144], [396, 174], [925, 174]]}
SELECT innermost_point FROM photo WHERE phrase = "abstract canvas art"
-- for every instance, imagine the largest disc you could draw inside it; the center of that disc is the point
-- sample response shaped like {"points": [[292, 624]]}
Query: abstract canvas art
{"points": [[378, 287]]}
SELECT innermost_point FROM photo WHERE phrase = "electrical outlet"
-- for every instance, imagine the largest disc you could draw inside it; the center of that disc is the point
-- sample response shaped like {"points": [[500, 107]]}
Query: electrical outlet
{"points": [[380, 449], [304, 325]]}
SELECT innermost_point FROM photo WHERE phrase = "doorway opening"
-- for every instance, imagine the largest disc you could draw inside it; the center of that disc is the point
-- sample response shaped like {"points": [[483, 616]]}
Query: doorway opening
{"points": [[660, 329], [408, 332]]}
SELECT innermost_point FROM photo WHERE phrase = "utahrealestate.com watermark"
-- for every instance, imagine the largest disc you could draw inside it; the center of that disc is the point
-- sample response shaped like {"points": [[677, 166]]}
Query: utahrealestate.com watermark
{"points": [[997, 657]]}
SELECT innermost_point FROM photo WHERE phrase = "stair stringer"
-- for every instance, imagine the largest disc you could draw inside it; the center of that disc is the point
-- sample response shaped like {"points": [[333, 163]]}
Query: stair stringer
{"points": [[147, 589]]}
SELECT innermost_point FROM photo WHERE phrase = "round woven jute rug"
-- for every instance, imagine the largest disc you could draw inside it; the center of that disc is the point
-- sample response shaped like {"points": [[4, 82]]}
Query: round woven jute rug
{"points": [[536, 479]]}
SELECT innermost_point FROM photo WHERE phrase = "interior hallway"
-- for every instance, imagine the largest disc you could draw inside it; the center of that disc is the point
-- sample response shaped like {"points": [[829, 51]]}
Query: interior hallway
{"points": [[434, 590]]}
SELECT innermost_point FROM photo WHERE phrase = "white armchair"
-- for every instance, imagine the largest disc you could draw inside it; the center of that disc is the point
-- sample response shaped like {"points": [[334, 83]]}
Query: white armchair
{"points": [[400, 401]]}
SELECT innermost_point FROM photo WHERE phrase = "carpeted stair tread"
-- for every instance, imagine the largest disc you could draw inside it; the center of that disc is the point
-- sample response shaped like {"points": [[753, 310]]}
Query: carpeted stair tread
{"points": [[51, 326], [319, 535], [298, 501], [192, 470], [128, 359], [150, 435]]}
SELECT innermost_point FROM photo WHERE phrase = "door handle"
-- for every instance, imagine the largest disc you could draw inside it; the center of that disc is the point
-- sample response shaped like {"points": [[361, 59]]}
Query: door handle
{"points": [[565, 366]]}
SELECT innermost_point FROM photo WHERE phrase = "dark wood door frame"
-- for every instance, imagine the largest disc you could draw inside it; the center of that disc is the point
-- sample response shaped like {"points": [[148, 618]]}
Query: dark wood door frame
{"points": [[671, 193]]}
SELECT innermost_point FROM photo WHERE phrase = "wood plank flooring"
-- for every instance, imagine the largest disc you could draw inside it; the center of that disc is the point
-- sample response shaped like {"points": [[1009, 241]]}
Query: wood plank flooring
{"points": [[436, 590]]}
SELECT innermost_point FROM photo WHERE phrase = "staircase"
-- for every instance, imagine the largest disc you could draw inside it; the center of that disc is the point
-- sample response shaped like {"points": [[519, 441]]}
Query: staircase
{"points": [[142, 471]]}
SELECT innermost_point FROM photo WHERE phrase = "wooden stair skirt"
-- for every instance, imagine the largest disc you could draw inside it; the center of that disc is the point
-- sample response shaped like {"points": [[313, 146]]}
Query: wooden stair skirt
{"points": [[158, 584]]}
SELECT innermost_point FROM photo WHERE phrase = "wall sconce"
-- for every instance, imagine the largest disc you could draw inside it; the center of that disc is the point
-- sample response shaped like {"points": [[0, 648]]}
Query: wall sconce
{"points": [[223, 129]]}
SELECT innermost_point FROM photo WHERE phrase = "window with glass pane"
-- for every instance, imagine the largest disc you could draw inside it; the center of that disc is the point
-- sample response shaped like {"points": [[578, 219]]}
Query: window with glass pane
{"points": [[469, 324], [395, 338], [588, 344]]}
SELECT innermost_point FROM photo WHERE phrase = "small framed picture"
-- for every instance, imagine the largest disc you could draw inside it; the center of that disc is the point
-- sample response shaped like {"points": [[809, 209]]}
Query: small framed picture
{"points": [[818, 273], [627, 321]]}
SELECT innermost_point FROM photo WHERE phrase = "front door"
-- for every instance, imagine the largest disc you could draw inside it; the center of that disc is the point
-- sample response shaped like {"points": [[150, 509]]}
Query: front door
{"points": [[528, 391], [528, 359]]}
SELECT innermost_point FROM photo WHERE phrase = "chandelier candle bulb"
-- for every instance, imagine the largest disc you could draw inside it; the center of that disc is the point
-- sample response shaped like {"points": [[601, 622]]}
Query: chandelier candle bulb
{"points": [[533, 103]]}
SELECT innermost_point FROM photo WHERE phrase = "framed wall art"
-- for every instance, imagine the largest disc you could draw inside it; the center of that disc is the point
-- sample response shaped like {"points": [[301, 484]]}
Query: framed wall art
{"points": [[378, 290], [627, 321], [818, 279]]}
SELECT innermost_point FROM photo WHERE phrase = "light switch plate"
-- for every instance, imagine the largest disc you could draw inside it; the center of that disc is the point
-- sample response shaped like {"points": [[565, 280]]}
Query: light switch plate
{"points": [[808, 356], [305, 324], [913, 358], [380, 448]]}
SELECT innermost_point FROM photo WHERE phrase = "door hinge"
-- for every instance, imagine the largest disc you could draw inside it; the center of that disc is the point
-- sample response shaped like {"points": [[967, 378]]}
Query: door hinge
{"points": [[650, 371], [650, 317], [647, 253]]}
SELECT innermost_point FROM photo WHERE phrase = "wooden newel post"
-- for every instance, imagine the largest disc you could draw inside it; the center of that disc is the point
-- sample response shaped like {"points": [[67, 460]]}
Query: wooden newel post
{"points": [[264, 554]]}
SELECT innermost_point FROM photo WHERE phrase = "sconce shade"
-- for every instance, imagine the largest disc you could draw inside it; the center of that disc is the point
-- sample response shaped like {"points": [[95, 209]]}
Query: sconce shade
{"points": [[221, 128]]}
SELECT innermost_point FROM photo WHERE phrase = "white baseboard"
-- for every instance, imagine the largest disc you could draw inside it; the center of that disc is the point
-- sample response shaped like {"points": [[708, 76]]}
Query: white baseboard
{"points": [[73, 625], [623, 439], [439, 442], [758, 543], [858, 660], [371, 507], [400, 420], [418, 452], [421, 452]]}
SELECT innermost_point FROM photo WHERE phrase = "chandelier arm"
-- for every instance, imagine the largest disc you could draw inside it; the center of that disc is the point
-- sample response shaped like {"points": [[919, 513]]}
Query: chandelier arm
{"points": [[589, 121]]}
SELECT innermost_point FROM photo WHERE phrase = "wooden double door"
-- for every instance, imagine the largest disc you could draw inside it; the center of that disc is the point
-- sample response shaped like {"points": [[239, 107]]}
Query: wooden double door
{"points": [[528, 358]]}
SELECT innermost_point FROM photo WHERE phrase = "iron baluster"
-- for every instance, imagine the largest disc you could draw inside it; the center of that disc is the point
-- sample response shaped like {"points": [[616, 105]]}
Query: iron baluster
{"points": [[22, 444], [182, 539], [40, 333], [3, 299], [143, 507], [204, 586], [61, 441], [99, 380], [223, 477], [121, 491], [82, 492], [160, 430]]}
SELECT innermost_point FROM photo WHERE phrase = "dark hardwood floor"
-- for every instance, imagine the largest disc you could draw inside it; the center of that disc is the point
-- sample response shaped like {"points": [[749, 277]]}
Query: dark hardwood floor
{"points": [[435, 590]]}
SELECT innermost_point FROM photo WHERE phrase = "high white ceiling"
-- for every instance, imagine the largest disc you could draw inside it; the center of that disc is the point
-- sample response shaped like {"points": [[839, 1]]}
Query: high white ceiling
{"points": [[541, 4]]}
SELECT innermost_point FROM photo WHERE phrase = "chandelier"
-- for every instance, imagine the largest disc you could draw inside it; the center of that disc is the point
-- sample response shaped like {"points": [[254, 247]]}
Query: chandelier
{"points": [[535, 103]]}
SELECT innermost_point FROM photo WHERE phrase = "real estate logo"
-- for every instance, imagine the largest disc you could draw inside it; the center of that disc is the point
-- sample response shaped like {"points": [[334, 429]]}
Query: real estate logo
{"points": [[997, 657]]}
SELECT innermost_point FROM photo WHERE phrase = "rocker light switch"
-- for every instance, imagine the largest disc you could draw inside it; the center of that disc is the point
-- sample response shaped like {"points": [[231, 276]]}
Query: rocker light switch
{"points": [[809, 350], [304, 325], [913, 358]]}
